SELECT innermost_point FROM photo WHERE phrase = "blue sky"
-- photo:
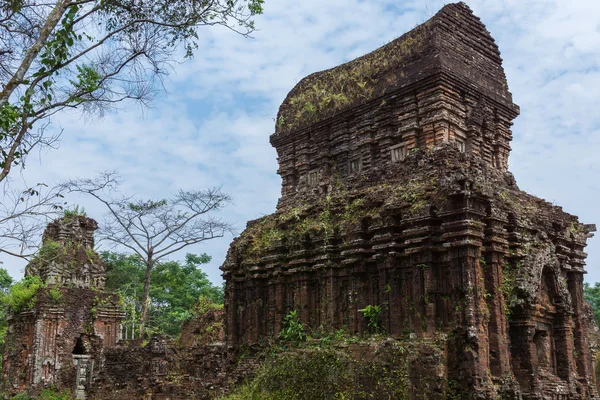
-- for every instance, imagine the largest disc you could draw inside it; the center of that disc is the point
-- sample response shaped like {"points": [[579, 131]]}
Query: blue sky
{"points": [[212, 126]]}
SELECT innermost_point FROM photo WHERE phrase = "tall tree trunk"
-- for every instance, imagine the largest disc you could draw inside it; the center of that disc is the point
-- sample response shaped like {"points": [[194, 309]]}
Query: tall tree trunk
{"points": [[51, 21], [149, 263]]}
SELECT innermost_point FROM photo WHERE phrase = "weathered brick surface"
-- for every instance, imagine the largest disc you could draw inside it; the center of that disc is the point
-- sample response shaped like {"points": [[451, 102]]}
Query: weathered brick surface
{"points": [[204, 328], [163, 369], [396, 192], [76, 264], [71, 322]]}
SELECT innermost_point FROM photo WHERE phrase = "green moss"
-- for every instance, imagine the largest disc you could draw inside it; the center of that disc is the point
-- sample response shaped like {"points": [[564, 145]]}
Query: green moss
{"points": [[360, 80], [46, 394], [576, 228], [328, 370], [337, 215], [309, 374], [508, 286], [49, 252]]}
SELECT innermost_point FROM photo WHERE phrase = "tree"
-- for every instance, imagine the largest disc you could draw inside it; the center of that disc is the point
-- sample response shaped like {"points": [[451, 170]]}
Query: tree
{"points": [[155, 229], [592, 295], [24, 215], [125, 275], [175, 288], [5, 284], [90, 55]]}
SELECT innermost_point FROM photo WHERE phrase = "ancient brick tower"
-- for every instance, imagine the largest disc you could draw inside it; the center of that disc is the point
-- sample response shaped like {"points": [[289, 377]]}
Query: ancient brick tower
{"points": [[396, 192], [57, 341]]}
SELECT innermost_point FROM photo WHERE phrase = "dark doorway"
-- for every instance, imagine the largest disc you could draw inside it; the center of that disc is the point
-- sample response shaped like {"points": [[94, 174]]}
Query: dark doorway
{"points": [[79, 349]]}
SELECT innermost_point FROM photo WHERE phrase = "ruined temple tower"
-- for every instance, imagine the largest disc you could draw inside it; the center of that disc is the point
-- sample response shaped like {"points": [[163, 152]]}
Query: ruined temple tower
{"points": [[57, 338], [396, 192]]}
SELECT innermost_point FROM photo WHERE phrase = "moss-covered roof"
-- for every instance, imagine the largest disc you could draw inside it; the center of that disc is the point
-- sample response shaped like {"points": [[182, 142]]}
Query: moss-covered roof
{"points": [[448, 42]]}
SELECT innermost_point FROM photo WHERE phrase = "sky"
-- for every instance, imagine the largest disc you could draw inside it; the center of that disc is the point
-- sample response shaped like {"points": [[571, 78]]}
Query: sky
{"points": [[211, 126]]}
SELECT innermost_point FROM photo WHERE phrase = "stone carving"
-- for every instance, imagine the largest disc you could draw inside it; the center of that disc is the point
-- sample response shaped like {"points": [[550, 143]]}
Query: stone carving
{"points": [[67, 255], [396, 192]]}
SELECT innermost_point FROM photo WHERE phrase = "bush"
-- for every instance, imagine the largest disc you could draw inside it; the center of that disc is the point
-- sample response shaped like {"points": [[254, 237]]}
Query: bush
{"points": [[55, 295], [330, 374], [373, 316], [323, 374], [74, 212], [46, 394], [292, 329], [49, 251], [22, 295]]}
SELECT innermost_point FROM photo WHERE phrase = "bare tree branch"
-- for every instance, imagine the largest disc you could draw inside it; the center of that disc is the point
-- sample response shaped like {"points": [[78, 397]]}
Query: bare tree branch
{"points": [[24, 215], [154, 229]]}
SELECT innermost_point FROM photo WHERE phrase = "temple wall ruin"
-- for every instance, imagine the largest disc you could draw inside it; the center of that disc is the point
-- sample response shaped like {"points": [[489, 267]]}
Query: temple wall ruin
{"points": [[396, 193], [59, 340]]}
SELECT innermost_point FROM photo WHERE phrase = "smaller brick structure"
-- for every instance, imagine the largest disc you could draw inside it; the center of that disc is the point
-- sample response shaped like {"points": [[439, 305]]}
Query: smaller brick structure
{"points": [[59, 341]]}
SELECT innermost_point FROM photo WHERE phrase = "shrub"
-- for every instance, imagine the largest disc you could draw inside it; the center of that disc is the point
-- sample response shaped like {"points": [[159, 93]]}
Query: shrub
{"points": [[309, 375], [74, 212], [373, 316], [46, 394], [292, 329], [49, 251], [55, 295], [22, 295]]}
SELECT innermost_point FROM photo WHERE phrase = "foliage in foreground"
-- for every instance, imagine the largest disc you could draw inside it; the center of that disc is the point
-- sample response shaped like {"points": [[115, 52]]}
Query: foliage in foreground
{"points": [[5, 284], [46, 394], [328, 373]]}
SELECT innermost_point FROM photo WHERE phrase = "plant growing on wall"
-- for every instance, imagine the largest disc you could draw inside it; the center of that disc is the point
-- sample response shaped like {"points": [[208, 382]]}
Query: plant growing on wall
{"points": [[373, 316], [22, 294], [292, 329]]}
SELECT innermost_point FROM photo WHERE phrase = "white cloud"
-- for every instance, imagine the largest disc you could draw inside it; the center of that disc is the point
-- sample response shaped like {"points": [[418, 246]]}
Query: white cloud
{"points": [[213, 128]]}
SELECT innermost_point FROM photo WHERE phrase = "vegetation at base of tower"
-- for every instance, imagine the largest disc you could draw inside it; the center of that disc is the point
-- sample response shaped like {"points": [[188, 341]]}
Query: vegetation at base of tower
{"points": [[46, 394], [292, 329], [90, 55], [315, 372], [176, 290]]}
